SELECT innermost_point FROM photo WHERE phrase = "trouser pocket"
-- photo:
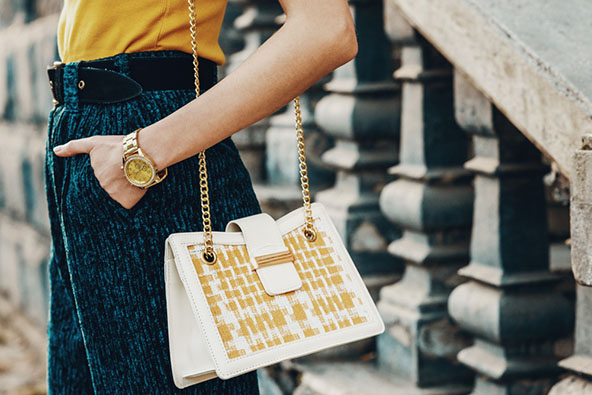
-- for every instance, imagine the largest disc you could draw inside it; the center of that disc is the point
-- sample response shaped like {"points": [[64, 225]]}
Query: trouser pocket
{"points": [[84, 196]]}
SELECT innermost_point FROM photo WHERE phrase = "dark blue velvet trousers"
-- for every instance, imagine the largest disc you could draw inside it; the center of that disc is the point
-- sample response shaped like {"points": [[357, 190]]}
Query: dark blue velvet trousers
{"points": [[108, 326]]}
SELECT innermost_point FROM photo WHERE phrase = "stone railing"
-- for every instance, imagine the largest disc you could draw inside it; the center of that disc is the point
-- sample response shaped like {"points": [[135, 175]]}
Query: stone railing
{"points": [[494, 117], [519, 91]]}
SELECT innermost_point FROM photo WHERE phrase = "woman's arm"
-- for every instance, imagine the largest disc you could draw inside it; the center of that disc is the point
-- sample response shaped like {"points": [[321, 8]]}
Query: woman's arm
{"points": [[317, 37]]}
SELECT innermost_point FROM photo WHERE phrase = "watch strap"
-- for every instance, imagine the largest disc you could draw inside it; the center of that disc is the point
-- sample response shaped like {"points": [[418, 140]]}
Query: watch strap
{"points": [[130, 144], [131, 148]]}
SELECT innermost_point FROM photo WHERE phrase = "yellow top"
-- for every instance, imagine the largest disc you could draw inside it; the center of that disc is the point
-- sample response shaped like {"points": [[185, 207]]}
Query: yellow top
{"points": [[94, 29]]}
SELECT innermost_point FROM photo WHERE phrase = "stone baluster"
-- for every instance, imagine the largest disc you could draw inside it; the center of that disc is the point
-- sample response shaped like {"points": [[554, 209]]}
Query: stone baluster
{"points": [[257, 23], [432, 201], [361, 112], [509, 304]]}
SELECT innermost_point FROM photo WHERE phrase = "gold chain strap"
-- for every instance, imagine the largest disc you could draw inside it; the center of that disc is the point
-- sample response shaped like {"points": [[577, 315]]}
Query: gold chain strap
{"points": [[309, 231], [209, 255]]}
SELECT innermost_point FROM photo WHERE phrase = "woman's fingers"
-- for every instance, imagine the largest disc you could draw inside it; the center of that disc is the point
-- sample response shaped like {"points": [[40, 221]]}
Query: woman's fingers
{"points": [[105, 158], [73, 147]]}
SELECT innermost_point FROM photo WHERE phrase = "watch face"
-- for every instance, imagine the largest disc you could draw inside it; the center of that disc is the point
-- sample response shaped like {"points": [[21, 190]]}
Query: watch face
{"points": [[139, 171]]}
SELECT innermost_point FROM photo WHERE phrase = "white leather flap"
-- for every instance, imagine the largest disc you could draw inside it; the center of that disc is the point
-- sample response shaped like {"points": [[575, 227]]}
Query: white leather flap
{"points": [[268, 254]]}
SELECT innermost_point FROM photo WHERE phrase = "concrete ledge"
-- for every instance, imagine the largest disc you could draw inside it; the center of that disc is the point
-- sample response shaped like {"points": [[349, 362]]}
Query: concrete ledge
{"points": [[534, 66]]}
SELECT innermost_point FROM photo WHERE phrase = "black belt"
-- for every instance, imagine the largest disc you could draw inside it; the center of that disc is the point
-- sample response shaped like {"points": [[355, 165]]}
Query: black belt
{"points": [[100, 82]]}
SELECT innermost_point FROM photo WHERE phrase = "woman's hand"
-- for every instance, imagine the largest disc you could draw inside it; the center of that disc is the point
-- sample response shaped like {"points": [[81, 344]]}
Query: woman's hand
{"points": [[105, 158]]}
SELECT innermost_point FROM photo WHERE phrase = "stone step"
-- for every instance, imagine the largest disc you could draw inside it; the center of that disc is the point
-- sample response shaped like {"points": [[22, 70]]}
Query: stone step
{"points": [[359, 378]]}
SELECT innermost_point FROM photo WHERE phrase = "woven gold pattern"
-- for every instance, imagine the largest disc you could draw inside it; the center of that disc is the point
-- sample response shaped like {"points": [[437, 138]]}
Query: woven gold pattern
{"points": [[249, 320]]}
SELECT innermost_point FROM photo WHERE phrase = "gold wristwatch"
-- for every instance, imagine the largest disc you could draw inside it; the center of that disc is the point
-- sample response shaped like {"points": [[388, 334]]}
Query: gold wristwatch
{"points": [[139, 169]]}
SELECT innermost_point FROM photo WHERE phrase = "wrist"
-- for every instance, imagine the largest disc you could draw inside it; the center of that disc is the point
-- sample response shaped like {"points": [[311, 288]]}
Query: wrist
{"points": [[153, 148], [138, 167]]}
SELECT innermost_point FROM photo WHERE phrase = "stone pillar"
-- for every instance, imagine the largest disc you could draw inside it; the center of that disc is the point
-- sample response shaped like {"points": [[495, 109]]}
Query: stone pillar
{"points": [[362, 114], [580, 363], [432, 201], [509, 303], [257, 23]]}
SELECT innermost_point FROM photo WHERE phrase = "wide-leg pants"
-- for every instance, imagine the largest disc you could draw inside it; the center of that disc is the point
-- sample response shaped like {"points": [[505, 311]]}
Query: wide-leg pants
{"points": [[108, 327]]}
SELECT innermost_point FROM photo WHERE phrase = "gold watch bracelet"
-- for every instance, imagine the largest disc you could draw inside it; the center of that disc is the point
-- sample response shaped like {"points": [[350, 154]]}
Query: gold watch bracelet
{"points": [[131, 147]]}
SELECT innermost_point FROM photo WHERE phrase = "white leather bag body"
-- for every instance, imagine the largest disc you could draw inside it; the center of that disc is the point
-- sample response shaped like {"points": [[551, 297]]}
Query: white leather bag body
{"points": [[271, 295]]}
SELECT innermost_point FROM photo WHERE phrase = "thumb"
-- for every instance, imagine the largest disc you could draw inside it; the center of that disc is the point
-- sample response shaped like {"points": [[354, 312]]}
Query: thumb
{"points": [[73, 147]]}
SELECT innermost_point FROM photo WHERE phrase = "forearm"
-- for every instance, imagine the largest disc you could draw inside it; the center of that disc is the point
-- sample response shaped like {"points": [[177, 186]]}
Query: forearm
{"points": [[302, 51]]}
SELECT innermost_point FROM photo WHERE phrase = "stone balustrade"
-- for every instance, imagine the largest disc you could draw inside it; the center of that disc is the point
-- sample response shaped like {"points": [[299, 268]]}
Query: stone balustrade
{"points": [[519, 94]]}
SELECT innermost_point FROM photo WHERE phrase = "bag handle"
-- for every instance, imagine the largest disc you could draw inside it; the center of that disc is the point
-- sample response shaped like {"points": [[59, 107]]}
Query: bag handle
{"points": [[209, 254]]}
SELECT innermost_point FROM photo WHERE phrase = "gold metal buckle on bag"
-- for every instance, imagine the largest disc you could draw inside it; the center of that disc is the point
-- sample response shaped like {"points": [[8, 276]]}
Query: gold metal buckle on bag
{"points": [[273, 259]]}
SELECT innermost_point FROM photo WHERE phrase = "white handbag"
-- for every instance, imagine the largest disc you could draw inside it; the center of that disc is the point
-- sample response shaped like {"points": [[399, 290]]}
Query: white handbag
{"points": [[263, 291]]}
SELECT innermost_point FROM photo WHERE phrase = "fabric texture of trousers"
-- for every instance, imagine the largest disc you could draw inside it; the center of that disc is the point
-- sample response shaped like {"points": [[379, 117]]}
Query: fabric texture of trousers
{"points": [[107, 329]]}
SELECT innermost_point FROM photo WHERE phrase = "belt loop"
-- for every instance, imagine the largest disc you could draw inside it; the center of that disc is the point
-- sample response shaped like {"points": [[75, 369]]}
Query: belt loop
{"points": [[71, 86], [122, 63]]}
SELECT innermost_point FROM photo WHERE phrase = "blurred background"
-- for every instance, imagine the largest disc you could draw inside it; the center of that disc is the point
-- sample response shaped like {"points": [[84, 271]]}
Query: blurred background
{"points": [[450, 154]]}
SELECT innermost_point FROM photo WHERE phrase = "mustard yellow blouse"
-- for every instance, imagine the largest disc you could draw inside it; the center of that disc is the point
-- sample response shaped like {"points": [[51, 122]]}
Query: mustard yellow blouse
{"points": [[94, 29]]}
